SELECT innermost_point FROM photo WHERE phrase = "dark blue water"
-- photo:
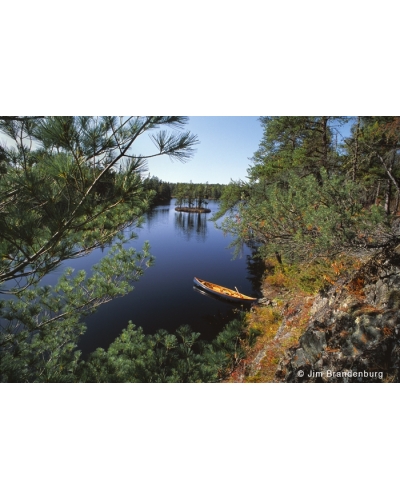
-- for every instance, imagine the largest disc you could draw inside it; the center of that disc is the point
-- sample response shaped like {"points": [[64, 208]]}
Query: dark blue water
{"points": [[184, 245]]}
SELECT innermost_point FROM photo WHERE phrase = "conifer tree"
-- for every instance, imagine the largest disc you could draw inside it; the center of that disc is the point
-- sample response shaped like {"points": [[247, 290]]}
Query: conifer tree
{"points": [[71, 184], [300, 202]]}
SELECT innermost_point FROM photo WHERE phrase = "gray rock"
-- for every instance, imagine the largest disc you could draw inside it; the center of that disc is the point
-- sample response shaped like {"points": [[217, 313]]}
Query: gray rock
{"points": [[352, 331], [299, 359]]}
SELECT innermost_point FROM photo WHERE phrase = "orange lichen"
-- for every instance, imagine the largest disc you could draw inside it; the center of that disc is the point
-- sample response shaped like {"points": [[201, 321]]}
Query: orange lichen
{"points": [[387, 331], [356, 286]]}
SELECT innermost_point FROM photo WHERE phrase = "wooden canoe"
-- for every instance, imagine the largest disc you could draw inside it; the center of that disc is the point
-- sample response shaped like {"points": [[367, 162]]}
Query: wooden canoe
{"points": [[222, 291]]}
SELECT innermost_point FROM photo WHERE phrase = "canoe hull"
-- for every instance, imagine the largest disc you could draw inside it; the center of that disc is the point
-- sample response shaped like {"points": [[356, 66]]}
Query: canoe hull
{"points": [[222, 291]]}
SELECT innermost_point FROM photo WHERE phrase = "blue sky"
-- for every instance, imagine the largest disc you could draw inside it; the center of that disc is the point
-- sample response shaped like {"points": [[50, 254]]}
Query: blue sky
{"points": [[226, 144]]}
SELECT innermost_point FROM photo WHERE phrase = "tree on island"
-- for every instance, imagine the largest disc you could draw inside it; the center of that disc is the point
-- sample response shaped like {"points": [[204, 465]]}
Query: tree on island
{"points": [[201, 196], [192, 197]]}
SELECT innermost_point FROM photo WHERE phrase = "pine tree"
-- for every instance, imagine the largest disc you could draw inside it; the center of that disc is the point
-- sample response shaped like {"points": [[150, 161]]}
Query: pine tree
{"points": [[71, 184], [300, 202]]}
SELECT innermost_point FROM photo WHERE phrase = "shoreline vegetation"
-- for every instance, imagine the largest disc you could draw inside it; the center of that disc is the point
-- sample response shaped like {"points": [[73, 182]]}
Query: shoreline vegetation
{"points": [[195, 195], [324, 213]]}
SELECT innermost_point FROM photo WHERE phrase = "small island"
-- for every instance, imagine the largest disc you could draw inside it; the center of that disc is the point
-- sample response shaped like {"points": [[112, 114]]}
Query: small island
{"points": [[192, 198], [193, 210]]}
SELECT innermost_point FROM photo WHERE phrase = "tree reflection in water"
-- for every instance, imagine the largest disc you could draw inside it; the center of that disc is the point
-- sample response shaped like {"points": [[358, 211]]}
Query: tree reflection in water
{"points": [[191, 224]]}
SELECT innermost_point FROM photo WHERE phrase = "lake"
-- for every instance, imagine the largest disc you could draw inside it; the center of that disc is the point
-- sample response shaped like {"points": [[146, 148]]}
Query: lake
{"points": [[184, 245]]}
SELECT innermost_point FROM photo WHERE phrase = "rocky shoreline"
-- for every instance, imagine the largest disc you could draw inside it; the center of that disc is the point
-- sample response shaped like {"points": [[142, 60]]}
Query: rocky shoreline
{"points": [[348, 333], [353, 333]]}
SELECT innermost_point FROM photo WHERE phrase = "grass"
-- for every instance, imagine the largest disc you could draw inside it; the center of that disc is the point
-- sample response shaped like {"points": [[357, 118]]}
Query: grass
{"points": [[312, 277]]}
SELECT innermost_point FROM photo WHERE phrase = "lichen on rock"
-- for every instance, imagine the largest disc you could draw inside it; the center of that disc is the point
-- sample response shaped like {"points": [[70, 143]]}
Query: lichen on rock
{"points": [[353, 332]]}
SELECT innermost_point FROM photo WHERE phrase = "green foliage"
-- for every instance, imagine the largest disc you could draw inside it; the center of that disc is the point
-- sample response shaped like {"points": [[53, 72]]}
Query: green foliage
{"points": [[71, 184], [191, 194], [306, 200], [234, 192], [159, 191], [196, 195], [165, 357], [43, 349], [40, 329]]}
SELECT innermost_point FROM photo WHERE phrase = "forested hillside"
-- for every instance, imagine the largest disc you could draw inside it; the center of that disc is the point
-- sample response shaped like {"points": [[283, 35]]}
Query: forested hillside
{"points": [[312, 193], [321, 206]]}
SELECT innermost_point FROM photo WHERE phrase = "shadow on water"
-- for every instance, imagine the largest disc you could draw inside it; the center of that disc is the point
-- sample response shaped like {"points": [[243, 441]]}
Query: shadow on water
{"points": [[255, 268], [221, 317]]}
